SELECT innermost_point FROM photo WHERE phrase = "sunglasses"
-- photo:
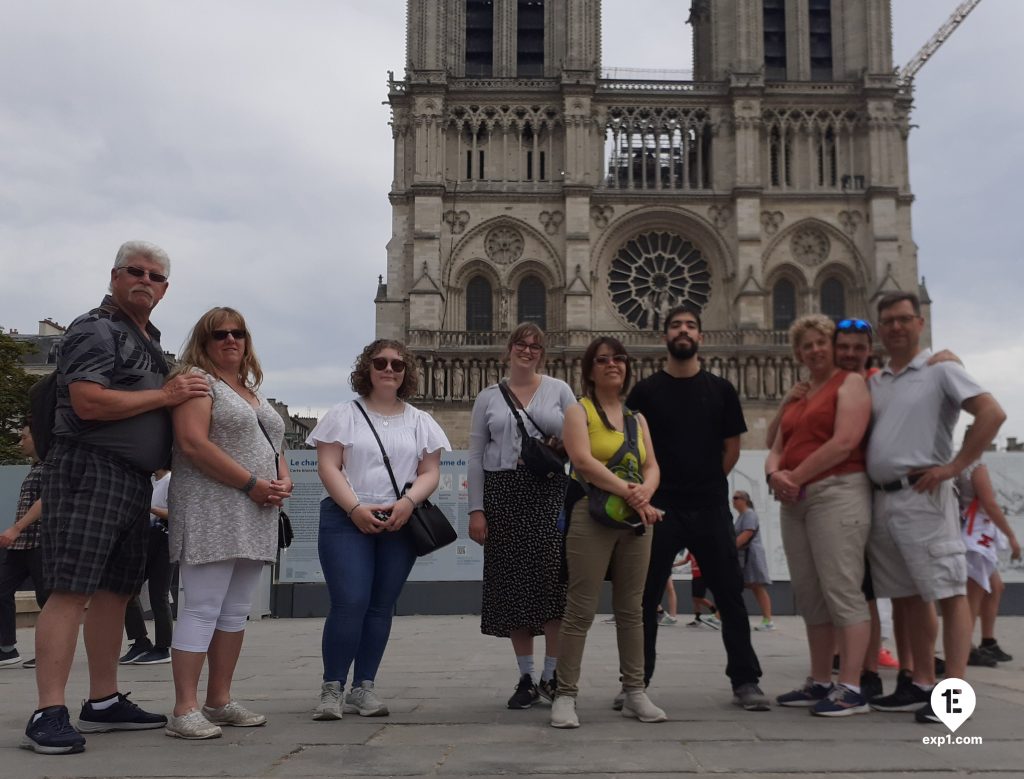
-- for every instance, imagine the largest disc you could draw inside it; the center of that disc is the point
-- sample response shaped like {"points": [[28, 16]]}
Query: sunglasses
{"points": [[156, 278], [607, 359], [853, 326], [220, 335], [522, 346], [381, 363]]}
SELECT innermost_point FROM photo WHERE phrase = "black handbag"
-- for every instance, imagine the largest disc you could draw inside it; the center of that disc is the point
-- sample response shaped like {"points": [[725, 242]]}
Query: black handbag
{"points": [[544, 458], [285, 535], [428, 527]]}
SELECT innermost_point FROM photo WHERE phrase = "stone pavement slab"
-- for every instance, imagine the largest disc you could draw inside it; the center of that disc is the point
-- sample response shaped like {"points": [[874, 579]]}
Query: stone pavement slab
{"points": [[447, 685]]}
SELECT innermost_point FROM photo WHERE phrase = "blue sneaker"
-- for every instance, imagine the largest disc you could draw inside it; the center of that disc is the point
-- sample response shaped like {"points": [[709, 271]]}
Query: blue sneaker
{"points": [[841, 702], [51, 733], [808, 695], [122, 715]]}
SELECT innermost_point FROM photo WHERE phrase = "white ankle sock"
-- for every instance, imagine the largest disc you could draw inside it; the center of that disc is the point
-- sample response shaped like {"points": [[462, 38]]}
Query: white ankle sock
{"points": [[104, 703], [525, 664], [549, 668]]}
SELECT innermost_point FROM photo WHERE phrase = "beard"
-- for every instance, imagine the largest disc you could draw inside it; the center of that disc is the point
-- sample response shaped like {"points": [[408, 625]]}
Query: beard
{"points": [[682, 348]]}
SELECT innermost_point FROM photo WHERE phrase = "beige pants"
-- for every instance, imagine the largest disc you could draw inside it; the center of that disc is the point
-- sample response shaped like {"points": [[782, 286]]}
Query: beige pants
{"points": [[590, 547]]}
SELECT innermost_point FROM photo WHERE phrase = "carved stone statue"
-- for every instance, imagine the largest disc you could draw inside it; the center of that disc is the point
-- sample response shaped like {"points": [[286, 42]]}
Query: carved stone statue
{"points": [[732, 373], [421, 378], [577, 377], [474, 379], [771, 378], [439, 380], [787, 375], [750, 380], [492, 372], [458, 381]]}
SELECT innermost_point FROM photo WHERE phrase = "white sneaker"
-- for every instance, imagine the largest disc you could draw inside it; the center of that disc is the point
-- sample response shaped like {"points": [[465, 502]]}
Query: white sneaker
{"points": [[638, 705], [234, 713], [330, 702], [667, 619], [563, 712], [765, 626], [191, 725], [362, 700]]}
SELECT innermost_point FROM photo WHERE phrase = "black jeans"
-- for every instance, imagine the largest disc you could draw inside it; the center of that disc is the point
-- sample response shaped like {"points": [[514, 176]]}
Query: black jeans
{"points": [[158, 572], [17, 566], [709, 535]]}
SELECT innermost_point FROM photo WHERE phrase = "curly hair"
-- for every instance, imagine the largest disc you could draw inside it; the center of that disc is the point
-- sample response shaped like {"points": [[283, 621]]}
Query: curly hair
{"points": [[193, 353], [359, 379], [800, 327]]}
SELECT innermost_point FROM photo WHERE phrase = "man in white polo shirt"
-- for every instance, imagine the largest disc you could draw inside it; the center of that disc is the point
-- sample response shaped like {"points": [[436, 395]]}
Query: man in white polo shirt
{"points": [[915, 549]]}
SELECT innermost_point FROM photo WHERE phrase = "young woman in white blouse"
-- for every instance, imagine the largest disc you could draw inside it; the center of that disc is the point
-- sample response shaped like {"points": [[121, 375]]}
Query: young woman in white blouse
{"points": [[514, 514], [363, 553]]}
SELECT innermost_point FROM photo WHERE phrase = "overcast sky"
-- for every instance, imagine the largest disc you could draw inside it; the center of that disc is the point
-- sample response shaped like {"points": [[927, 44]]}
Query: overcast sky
{"points": [[248, 139]]}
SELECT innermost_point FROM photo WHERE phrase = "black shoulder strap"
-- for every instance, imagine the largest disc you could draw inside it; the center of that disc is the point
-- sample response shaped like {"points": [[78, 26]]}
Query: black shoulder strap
{"points": [[387, 460], [516, 406], [277, 456]]}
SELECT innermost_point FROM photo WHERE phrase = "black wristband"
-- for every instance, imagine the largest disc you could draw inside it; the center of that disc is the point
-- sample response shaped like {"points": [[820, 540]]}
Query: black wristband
{"points": [[768, 477], [249, 484]]}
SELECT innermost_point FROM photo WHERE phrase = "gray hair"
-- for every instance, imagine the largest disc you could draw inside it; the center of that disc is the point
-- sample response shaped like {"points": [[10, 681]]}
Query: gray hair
{"points": [[745, 497], [149, 251]]}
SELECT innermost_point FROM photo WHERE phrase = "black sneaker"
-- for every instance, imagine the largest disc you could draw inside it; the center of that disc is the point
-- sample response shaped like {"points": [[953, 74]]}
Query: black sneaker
{"points": [[137, 648], [996, 653], [30, 663], [10, 657], [835, 664], [908, 697], [153, 657], [526, 693], [51, 733], [926, 715], [870, 685], [547, 689], [122, 715], [979, 658]]}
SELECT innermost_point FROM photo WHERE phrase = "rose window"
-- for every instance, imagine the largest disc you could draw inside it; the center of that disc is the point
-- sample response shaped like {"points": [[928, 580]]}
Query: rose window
{"points": [[653, 272]]}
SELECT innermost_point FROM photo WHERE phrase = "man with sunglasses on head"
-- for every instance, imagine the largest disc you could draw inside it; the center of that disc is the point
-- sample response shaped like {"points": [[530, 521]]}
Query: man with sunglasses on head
{"points": [[696, 422], [111, 432], [916, 551]]}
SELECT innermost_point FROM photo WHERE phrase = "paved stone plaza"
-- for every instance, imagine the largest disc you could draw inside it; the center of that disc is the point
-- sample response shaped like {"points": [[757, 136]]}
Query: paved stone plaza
{"points": [[447, 685]]}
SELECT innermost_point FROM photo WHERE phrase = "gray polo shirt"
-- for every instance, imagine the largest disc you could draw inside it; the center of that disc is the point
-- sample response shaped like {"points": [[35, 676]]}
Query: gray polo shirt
{"points": [[913, 413], [101, 347]]}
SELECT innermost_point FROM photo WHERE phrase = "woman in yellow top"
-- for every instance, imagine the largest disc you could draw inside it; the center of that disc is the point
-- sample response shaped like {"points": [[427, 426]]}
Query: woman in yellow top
{"points": [[594, 433]]}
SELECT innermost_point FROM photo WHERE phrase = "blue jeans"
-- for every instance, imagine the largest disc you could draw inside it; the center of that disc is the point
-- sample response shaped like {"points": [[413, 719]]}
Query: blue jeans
{"points": [[365, 573]]}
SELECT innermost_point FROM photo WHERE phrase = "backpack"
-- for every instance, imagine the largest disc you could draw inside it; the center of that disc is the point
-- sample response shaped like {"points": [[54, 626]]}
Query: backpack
{"points": [[42, 403]]}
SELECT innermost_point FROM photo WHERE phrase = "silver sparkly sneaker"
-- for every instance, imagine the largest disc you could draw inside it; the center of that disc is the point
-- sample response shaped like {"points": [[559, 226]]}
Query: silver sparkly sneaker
{"points": [[235, 714]]}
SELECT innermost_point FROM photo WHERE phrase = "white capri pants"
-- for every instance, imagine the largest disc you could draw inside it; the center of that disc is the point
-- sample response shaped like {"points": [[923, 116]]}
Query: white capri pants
{"points": [[217, 596]]}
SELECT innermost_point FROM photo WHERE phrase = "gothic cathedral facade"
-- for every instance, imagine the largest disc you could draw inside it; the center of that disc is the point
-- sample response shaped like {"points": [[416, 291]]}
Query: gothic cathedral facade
{"points": [[531, 185]]}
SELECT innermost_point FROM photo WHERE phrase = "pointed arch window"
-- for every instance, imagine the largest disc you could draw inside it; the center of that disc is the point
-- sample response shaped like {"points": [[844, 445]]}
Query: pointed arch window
{"points": [[833, 298], [479, 305], [479, 38], [530, 38], [783, 304], [532, 302]]}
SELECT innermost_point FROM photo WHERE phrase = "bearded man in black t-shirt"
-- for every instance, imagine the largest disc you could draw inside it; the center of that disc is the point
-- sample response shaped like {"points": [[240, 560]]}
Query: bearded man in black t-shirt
{"points": [[696, 421]]}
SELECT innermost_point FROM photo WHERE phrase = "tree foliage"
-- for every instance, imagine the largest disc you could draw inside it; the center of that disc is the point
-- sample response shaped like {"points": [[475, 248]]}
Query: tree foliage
{"points": [[14, 386]]}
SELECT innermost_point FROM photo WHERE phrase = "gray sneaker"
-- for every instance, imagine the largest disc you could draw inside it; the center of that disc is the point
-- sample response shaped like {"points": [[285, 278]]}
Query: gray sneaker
{"points": [[362, 700], [330, 702], [235, 714], [619, 700], [750, 697], [192, 725]]}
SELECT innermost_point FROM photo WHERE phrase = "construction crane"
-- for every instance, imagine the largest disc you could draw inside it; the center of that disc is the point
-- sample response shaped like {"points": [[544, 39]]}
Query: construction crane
{"points": [[908, 71]]}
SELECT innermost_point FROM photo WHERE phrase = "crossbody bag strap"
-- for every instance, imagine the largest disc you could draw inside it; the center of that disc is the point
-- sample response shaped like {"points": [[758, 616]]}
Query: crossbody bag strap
{"points": [[277, 455], [629, 444], [387, 460], [507, 394]]}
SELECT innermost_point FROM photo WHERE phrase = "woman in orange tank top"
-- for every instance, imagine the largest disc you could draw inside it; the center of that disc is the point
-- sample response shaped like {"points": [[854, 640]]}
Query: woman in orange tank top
{"points": [[816, 469]]}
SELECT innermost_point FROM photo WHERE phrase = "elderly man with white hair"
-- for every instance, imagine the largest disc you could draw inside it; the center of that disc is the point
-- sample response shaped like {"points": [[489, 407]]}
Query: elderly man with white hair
{"points": [[111, 432]]}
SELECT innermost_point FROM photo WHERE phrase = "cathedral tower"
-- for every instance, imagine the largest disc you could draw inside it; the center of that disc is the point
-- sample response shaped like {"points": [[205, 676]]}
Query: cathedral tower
{"points": [[528, 186]]}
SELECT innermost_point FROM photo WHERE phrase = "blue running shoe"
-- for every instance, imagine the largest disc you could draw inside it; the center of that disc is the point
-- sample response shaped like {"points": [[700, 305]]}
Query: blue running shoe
{"points": [[841, 702], [51, 733], [808, 695], [122, 715]]}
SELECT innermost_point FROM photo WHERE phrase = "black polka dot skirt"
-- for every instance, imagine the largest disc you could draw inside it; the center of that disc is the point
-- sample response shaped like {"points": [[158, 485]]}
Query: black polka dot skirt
{"points": [[523, 586]]}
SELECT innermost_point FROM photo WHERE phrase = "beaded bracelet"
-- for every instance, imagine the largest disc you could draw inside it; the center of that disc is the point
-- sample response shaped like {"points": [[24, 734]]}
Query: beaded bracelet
{"points": [[249, 484]]}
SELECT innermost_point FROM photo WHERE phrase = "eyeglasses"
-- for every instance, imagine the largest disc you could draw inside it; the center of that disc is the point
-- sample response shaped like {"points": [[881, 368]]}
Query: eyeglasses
{"points": [[156, 278], [381, 363], [903, 320], [522, 346], [605, 359], [853, 326], [220, 335]]}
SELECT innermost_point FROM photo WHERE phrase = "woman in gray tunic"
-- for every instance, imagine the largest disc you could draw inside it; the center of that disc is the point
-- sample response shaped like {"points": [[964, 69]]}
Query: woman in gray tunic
{"points": [[752, 556], [227, 485]]}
